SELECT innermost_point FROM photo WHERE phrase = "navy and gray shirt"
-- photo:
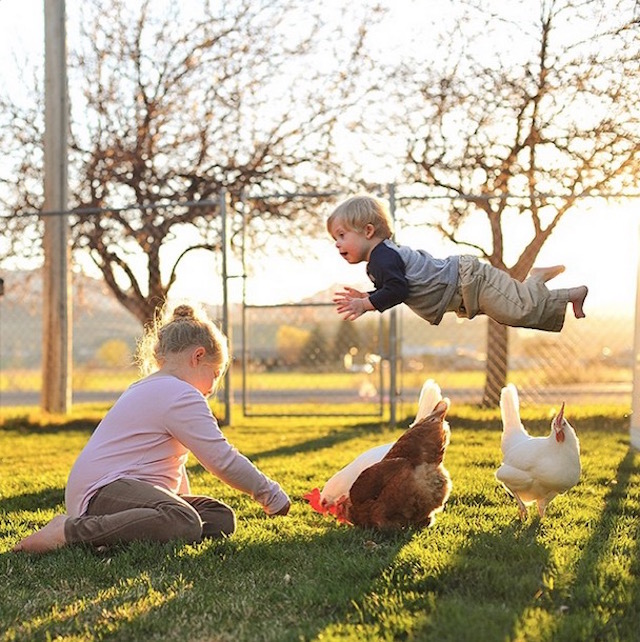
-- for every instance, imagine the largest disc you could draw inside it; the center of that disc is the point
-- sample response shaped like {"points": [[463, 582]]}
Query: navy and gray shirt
{"points": [[414, 277]]}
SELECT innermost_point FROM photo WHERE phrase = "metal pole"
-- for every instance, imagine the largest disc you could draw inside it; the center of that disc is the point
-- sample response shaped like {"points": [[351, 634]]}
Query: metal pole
{"points": [[226, 325], [635, 392], [56, 366], [393, 335], [245, 328]]}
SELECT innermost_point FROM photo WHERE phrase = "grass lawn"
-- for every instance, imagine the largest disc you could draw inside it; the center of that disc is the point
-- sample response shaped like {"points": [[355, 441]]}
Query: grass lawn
{"points": [[477, 574]]}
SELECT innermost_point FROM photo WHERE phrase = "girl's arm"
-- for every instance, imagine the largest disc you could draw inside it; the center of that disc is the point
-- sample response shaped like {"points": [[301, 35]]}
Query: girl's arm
{"points": [[191, 422]]}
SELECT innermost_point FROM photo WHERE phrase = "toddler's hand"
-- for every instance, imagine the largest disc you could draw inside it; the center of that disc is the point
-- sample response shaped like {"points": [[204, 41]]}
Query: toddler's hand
{"points": [[348, 294], [351, 309], [351, 303]]}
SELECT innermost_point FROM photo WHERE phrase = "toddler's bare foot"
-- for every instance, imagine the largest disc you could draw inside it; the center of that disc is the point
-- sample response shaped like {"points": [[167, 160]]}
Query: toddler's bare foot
{"points": [[46, 539], [546, 273], [577, 297]]}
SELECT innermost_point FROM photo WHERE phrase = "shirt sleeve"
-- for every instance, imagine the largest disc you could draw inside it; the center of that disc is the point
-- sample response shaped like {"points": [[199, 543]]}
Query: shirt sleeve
{"points": [[191, 422], [387, 271]]}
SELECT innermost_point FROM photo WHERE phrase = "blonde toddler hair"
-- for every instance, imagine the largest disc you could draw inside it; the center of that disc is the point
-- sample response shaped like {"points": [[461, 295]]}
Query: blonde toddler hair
{"points": [[359, 211], [173, 332]]}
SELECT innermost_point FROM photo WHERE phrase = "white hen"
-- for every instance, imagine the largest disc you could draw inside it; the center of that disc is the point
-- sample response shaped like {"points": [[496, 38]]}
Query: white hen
{"points": [[339, 485], [536, 469]]}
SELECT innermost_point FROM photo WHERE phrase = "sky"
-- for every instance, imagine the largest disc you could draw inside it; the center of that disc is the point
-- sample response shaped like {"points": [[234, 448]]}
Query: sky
{"points": [[598, 242]]}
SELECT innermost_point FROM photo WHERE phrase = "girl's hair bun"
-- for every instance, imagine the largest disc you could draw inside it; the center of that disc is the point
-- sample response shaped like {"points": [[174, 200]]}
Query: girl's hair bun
{"points": [[174, 331], [183, 311]]}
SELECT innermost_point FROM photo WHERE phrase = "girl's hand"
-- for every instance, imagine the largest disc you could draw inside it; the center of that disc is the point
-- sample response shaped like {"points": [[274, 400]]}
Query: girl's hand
{"points": [[283, 511]]}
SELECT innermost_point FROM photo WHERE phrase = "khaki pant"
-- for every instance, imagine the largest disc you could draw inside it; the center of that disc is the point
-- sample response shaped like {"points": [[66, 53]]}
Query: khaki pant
{"points": [[484, 289], [129, 509]]}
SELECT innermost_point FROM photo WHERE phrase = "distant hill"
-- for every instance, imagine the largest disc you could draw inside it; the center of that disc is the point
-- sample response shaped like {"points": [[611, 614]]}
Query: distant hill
{"points": [[97, 317]]}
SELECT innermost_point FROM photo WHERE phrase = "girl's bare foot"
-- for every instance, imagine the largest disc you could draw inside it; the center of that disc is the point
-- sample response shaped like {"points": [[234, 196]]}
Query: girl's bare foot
{"points": [[46, 539], [577, 297], [547, 273]]}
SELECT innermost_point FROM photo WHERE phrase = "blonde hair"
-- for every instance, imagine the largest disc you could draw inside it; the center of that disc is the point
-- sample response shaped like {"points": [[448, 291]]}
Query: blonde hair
{"points": [[178, 330], [359, 211]]}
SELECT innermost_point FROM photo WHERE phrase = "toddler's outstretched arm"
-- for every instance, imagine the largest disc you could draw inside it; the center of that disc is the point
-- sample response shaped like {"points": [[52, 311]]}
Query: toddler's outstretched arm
{"points": [[352, 303]]}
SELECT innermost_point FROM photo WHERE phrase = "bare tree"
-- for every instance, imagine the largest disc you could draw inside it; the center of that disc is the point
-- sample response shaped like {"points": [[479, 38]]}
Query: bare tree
{"points": [[523, 116], [175, 101]]}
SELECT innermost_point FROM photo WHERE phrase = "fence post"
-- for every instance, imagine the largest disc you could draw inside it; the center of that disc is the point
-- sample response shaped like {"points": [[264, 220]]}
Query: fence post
{"points": [[56, 366], [635, 391], [393, 333], [226, 325], [244, 326]]}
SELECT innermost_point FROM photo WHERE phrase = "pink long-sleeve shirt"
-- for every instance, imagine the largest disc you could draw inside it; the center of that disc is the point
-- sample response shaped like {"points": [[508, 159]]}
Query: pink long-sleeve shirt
{"points": [[147, 435]]}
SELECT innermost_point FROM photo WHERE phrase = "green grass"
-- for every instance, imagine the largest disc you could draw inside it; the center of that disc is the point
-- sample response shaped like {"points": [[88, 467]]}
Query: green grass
{"points": [[100, 379], [119, 378], [478, 574]]}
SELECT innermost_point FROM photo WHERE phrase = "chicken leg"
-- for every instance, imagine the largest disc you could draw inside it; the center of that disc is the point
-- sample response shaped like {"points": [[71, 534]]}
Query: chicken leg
{"points": [[522, 509]]}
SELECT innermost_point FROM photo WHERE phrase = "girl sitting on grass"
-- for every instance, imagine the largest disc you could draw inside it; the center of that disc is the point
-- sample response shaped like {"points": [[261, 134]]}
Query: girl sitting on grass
{"points": [[130, 481]]}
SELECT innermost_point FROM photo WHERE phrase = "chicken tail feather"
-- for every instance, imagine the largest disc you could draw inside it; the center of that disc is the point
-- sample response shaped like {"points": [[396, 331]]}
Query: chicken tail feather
{"points": [[430, 395], [510, 407]]}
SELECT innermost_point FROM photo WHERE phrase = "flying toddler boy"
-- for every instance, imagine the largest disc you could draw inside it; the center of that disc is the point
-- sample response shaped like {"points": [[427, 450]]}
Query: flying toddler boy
{"points": [[361, 227]]}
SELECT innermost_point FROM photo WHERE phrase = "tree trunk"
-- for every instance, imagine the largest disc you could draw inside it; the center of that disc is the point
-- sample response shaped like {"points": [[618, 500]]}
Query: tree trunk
{"points": [[497, 360]]}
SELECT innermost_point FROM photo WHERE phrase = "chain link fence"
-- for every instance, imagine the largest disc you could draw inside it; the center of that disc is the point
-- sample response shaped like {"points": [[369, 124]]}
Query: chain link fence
{"points": [[301, 358]]}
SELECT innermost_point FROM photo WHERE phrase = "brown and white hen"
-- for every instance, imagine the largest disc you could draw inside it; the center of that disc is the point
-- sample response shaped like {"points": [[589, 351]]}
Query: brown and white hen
{"points": [[409, 484], [399, 483]]}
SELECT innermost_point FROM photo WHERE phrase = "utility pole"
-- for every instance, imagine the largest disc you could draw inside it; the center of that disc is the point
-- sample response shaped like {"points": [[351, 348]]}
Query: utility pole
{"points": [[226, 320], [56, 364], [393, 332]]}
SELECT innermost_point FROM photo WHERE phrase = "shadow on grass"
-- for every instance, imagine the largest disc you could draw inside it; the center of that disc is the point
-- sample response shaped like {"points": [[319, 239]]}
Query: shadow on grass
{"points": [[598, 584], [286, 587], [484, 589], [27, 426], [44, 499], [335, 437], [498, 576]]}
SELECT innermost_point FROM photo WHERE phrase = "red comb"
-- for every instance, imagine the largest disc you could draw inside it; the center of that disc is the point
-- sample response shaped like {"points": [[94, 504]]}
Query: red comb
{"points": [[335, 510], [314, 501]]}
